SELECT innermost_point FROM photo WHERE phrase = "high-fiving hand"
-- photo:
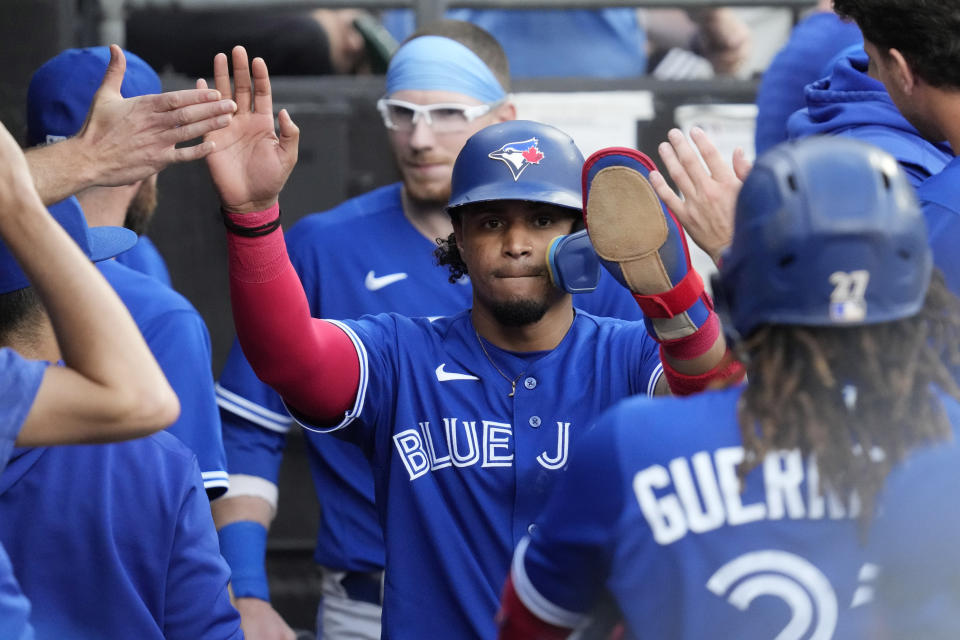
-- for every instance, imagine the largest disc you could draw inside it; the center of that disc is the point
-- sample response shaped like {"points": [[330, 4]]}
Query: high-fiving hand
{"points": [[250, 163], [709, 195]]}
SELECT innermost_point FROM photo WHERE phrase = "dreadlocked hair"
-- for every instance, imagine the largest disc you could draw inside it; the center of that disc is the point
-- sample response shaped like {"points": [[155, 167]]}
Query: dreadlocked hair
{"points": [[845, 394]]}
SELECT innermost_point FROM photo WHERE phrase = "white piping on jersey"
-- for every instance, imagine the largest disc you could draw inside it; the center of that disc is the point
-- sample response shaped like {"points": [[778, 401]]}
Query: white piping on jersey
{"points": [[213, 479], [357, 407], [534, 600], [654, 379], [242, 484], [260, 416]]}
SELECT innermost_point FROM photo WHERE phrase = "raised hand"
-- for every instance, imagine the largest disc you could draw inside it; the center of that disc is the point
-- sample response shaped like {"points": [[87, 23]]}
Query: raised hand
{"points": [[708, 196], [129, 139], [250, 163]]}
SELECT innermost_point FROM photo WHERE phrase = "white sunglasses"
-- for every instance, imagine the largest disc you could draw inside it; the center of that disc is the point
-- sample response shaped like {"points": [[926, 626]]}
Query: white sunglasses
{"points": [[442, 117]]}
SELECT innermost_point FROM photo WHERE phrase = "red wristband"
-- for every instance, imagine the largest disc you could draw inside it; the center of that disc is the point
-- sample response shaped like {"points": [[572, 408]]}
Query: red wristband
{"points": [[675, 301], [730, 371]]}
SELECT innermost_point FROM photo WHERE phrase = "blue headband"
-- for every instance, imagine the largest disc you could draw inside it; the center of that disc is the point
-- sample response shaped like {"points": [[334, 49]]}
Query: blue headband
{"points": [[434, 63]]}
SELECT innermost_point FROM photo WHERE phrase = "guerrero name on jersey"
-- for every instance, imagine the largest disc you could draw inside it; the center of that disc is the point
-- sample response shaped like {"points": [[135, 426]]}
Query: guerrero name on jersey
{"points": [[652, 513]]}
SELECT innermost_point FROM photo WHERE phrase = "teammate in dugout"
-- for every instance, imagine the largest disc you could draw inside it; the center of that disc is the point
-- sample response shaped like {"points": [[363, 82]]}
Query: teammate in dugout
{"points": [[466, 419], [755, 523], [109, 387], [60, 94], [447, 82]]}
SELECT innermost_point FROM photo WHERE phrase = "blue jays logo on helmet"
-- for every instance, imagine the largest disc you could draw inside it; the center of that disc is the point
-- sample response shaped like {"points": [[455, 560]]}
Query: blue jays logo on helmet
{"points": [[544, 166], [519, 155], [828, 232]]}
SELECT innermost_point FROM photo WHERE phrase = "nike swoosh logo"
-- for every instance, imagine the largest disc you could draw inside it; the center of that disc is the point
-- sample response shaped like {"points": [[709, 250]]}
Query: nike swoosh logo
{"points": [[373, 283], [445, 376]]}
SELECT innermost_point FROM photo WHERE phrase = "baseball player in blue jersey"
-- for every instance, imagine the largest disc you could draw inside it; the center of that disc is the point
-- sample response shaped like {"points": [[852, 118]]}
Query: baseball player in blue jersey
{"points": [[346, 279], [57, 102], [467, 419], [139, 558], [109, 386], [749, 529]]}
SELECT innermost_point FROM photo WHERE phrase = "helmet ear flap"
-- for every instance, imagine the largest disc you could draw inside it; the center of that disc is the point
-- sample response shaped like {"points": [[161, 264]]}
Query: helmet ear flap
{"points": [[572, 263]]}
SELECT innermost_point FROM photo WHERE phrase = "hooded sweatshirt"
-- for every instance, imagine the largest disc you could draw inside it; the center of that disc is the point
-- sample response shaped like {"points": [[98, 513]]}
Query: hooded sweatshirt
{"points": [[808, 55], [851, 103]]}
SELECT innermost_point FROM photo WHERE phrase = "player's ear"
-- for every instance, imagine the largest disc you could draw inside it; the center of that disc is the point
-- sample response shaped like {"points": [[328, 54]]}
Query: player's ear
{"points": [[506, 111], [903, 75]]}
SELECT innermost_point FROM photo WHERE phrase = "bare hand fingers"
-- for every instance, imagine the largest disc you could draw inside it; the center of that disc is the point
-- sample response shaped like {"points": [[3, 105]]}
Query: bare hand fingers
{"points": [[241, 80], [263, 98], [113, 78], [221, 75], [288, 130], [197, 129], [171, 101], [675, 169], [741, 166], [689, 160], [187, 154], [715, 162], [195, 113], [668, 195]]}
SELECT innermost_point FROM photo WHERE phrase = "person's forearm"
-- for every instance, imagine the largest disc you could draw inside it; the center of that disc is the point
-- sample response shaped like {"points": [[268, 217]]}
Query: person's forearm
{"points": [[123, 394], [60, 170], [311, 363]]}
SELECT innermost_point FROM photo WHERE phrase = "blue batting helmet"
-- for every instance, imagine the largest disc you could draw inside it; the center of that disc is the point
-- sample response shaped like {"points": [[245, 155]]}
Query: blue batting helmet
{"points": [[518, 160], [828, 232]]}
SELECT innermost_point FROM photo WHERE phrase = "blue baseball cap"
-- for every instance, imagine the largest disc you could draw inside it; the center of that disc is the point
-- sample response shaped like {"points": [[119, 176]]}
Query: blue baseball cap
{"points": [[98, 243], [62, 89]]}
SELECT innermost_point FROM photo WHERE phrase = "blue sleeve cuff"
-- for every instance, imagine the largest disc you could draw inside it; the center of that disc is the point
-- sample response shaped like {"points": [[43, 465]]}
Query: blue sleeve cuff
{"points": [[244, 546]]}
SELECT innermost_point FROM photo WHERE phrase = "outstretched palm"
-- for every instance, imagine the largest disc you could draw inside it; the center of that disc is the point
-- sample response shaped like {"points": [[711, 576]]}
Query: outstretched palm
{"points": [[250, 163]]}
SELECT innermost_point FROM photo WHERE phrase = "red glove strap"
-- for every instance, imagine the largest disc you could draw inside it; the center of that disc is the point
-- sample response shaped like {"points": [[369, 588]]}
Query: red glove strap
{"points": [[519, 623], [729, 371], [675, 301], [696, 344]]}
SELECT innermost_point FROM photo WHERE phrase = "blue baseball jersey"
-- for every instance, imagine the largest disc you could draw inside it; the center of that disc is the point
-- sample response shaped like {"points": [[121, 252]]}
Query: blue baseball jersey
{"points": [[461, 469], [914, 543], [116, 541], [362, 257], [21, 381], [145, 258], [651, 513], [179, 340], [940, 198]]}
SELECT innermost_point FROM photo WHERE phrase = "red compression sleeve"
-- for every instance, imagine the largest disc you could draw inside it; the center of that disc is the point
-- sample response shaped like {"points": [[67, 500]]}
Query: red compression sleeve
{"points": [[519, 623], [311, 363]]}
